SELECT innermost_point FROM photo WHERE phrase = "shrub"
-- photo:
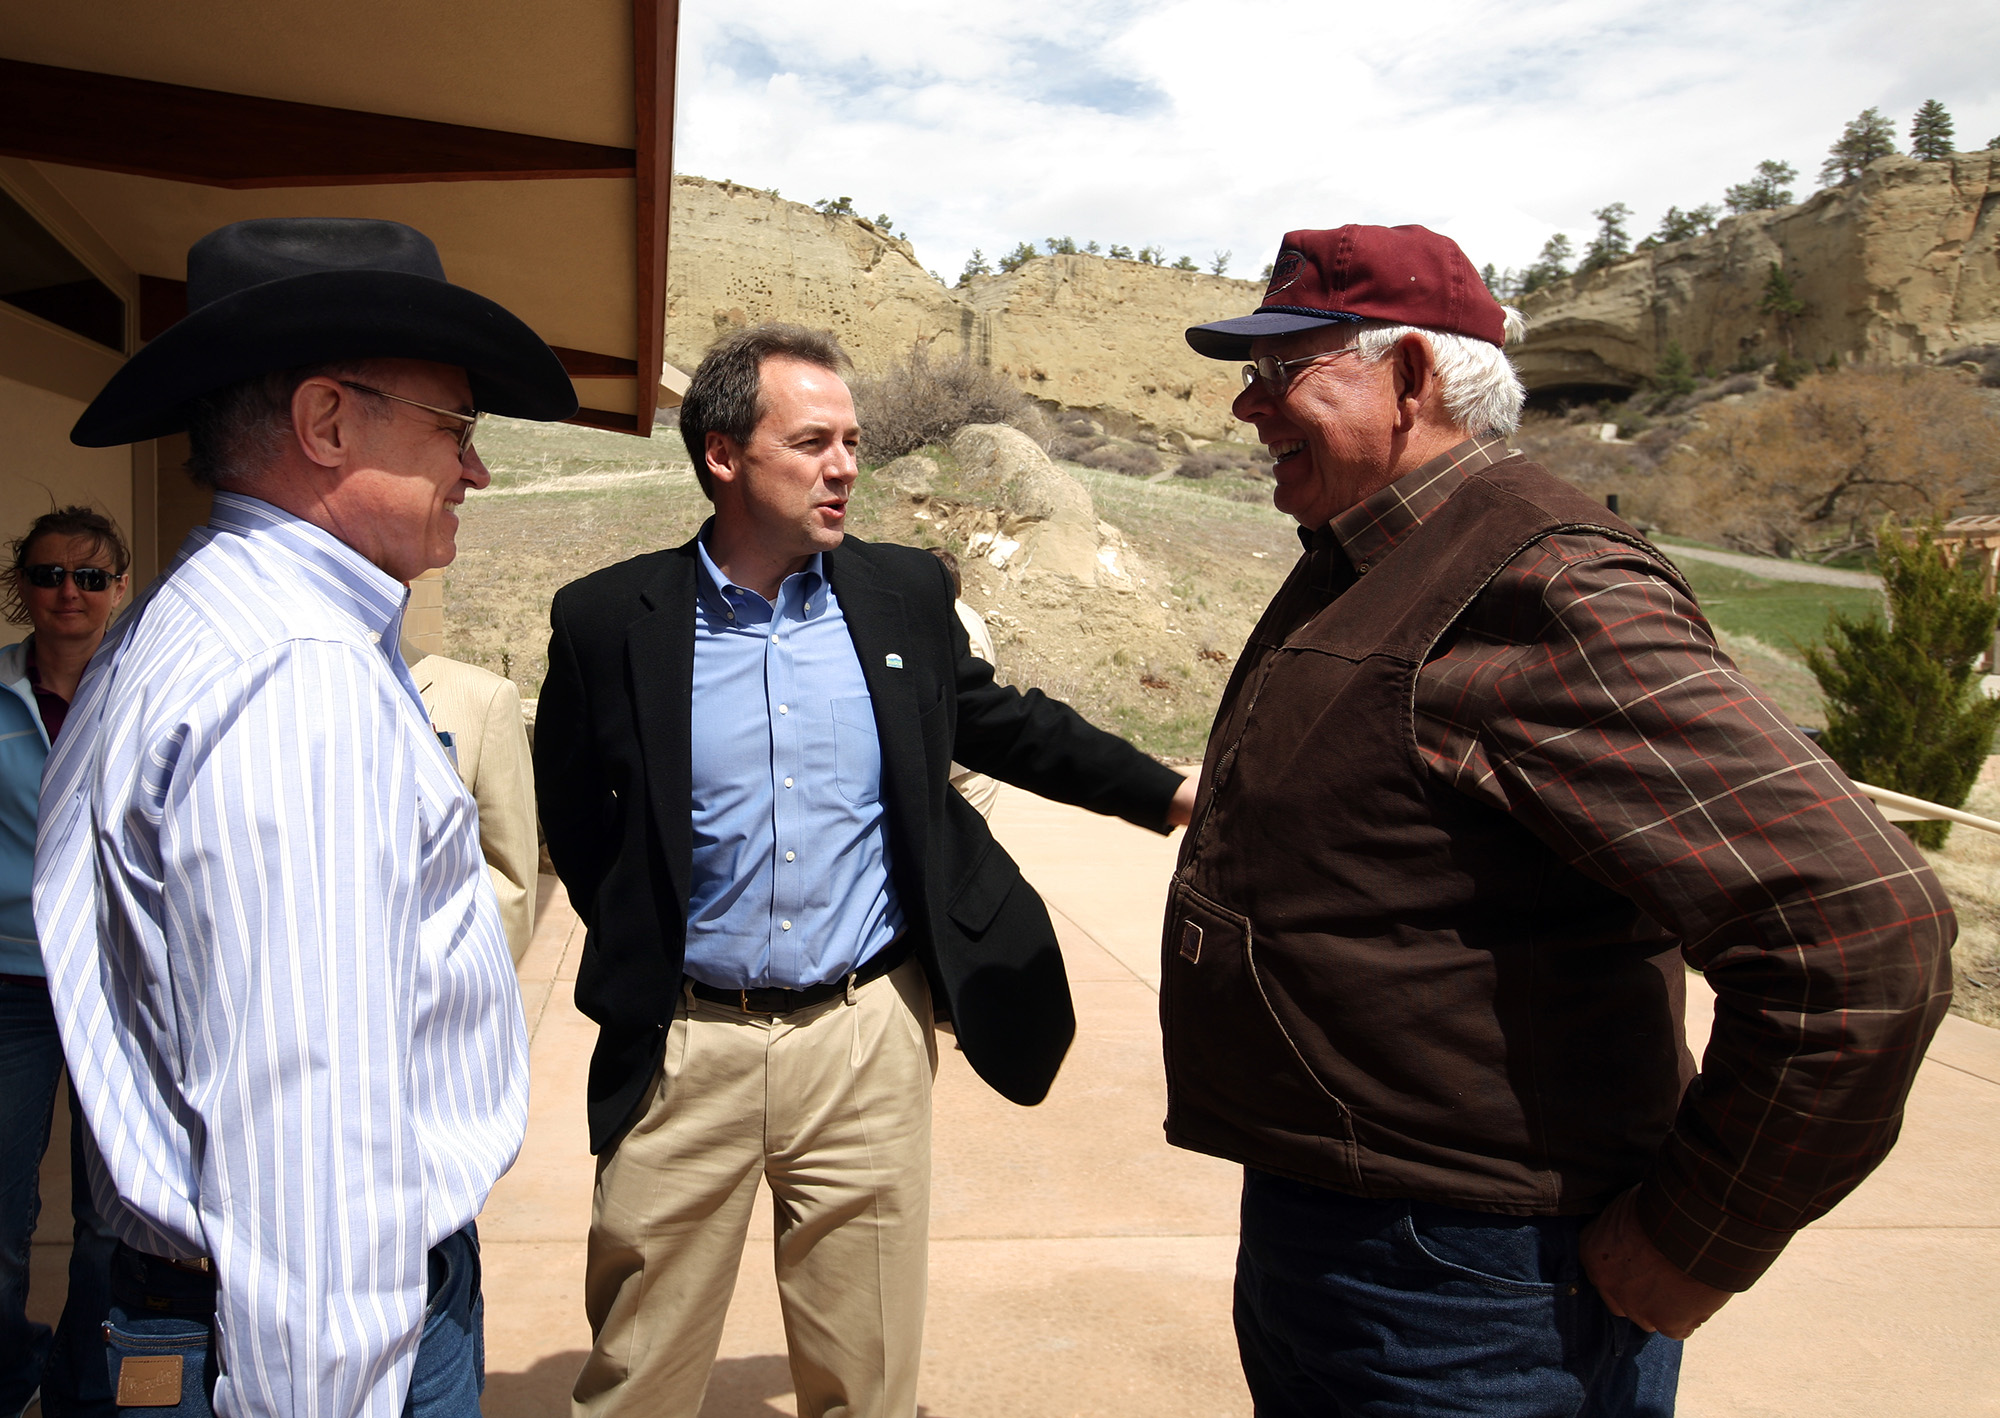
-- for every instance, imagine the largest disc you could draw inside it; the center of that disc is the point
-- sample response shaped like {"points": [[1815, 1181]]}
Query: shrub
{"points": [[1129, 459], [1815, 471], [926, 399], [1219, 458], [1904, 707]]}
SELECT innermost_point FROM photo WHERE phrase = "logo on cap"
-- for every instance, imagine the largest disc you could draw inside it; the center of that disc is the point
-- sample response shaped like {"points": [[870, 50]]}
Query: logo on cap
{"points": [[1284, 272]]}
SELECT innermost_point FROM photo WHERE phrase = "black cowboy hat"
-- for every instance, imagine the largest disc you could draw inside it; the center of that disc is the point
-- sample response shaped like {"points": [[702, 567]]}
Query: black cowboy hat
{"points": [[282, 292]]}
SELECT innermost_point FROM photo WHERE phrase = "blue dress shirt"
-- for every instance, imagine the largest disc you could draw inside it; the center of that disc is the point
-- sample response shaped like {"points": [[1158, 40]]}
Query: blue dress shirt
{"points": [[791, 857], [276, 959]]}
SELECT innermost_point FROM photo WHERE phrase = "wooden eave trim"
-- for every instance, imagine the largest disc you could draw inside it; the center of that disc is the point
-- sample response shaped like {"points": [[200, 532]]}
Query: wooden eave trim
{"points": [[655, 36], [606, 419], [83, 119]]}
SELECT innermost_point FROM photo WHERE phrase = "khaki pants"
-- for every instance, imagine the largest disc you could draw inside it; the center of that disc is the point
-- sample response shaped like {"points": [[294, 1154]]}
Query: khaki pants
{"points": [[832, 1106]]}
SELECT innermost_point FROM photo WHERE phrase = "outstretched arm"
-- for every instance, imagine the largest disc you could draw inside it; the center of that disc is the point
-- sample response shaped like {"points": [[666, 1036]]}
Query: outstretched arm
{"points": [[1041, 744]]}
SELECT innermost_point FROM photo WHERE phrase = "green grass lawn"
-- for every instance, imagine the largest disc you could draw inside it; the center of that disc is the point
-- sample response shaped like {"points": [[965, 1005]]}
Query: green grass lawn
{"points": [[1785, 615]]}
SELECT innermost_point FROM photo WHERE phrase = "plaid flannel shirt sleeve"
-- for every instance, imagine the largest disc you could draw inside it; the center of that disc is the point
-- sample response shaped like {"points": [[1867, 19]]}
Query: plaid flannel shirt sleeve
{"points": [[1586, 696]]}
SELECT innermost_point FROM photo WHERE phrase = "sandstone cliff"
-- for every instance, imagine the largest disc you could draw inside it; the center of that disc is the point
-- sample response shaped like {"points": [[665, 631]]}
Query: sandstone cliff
{"points": [[741, 256], [1902, 265], [1076, 332]]}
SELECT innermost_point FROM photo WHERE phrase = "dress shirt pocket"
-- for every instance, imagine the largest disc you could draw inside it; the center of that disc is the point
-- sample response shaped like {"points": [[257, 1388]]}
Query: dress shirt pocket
{"points": [[857, 750]]}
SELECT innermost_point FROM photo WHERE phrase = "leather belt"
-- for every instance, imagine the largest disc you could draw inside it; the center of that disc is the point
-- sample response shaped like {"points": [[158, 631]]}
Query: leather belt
{"points": [[773, 1000]]}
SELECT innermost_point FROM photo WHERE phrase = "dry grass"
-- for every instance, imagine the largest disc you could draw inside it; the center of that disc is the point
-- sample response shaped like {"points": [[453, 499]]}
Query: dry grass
{"points": [[1969, 867]]}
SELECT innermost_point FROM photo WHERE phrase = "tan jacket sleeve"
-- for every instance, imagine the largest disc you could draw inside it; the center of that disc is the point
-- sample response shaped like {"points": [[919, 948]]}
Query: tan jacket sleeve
{"points": [[482, 711]]}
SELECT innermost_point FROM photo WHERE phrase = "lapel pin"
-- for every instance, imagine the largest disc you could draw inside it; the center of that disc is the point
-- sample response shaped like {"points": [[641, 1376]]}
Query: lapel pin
{"points": [[894, 662]]}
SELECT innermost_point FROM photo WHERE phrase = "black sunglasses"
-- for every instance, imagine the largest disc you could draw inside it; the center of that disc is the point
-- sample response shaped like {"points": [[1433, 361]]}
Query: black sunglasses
{"points": [[48, 576]]}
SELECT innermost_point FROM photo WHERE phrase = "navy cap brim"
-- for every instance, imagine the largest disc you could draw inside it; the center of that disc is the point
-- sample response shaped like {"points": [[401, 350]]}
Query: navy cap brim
{"points": [[1230, 339]]}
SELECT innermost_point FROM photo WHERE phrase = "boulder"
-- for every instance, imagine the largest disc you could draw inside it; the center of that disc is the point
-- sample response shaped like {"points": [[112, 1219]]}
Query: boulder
{"points": [[913, 475], [1050, 518]]}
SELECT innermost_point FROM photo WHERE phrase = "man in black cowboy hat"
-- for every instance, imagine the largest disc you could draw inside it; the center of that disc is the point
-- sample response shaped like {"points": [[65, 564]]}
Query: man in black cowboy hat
{"points": [[283, 987]]}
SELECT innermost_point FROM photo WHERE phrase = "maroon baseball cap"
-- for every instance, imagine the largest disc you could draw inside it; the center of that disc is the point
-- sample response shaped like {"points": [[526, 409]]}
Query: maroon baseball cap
{"points": [[1406, 274]]}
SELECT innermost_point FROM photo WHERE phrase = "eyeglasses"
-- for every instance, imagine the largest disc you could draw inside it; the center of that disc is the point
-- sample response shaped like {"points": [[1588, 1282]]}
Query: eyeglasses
{"points": [[49, 575], [470, 421], [1272, 371]]}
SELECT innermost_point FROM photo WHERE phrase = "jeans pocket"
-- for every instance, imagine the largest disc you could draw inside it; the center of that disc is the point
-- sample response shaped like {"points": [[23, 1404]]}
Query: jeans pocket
{"points": [[158, 1367], [1524, 1255]]}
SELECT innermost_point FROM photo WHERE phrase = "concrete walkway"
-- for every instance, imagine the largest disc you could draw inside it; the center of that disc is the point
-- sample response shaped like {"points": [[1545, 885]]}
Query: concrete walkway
{"points": [[1082, 1267], [1773, 569]]}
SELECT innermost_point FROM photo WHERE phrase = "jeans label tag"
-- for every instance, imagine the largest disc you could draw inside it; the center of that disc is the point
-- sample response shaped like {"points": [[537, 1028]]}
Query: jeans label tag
{"points": [[1191, 943], [149, 1381]]}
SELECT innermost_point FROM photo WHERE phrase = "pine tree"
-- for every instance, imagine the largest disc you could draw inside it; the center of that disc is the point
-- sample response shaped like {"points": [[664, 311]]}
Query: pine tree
{"points": [[1677, 225], [1904, 709], [1781, 299], [1612, 243], [1771, 187], [1219, 266], [1930, 133], [975, 266], [1551, 266], [1020, 256], [1867, 136], [1675, 373]]}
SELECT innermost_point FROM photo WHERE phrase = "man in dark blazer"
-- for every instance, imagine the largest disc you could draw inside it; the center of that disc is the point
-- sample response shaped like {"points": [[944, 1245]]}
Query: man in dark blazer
{"points": [[742, 755]]}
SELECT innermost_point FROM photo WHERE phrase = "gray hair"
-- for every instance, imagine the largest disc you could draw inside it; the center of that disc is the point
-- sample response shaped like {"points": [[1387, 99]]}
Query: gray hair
{"points": [[1481, 391], [238, 431]]}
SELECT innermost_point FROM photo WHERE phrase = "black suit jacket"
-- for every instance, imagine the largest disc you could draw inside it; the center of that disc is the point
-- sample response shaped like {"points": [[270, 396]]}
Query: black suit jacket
{"points": [[614, 780]]}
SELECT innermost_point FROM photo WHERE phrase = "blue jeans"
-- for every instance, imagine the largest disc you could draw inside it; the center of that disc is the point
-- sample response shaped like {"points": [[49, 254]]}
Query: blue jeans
{"points": [[1348, 1307], [160, 1310], [68, 1366]]}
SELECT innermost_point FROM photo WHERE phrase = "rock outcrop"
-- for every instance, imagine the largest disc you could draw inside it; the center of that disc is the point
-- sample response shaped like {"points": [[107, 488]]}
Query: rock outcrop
{"points": [[1107, 338], [741, 256], [1902, 265], [1075, 332]]}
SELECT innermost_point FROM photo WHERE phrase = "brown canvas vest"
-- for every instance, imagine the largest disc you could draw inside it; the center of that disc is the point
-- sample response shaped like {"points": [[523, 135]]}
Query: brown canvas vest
{"points": [[1373, 982]]}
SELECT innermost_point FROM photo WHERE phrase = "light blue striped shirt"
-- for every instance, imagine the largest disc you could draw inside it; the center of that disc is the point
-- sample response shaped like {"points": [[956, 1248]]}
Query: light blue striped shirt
{"points": [[284, 991], [792, 883]]}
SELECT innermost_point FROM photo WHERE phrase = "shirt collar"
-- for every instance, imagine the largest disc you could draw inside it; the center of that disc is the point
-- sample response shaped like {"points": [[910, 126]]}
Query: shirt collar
{"points": [[347, 578], [1369, 531], [798, 597]]}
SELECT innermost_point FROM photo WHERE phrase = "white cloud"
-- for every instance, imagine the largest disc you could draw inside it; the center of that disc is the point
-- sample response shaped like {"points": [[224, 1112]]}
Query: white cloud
{"points": [[1206, 126]]}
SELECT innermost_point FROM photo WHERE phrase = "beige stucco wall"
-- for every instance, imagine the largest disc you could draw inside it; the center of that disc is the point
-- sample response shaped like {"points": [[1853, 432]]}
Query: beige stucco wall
{"points": [[40, 466]]}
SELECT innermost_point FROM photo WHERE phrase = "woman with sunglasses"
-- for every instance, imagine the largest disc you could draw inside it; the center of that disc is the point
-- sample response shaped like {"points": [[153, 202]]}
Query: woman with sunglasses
{"points": [[68, 577]]}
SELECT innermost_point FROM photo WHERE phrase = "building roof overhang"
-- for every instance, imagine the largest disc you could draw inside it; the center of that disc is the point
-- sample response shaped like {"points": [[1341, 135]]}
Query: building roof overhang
{"points": [[532, 143]]}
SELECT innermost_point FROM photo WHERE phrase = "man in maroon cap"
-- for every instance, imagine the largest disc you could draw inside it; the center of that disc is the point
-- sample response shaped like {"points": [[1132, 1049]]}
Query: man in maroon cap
{"points": [[1481, 786]]}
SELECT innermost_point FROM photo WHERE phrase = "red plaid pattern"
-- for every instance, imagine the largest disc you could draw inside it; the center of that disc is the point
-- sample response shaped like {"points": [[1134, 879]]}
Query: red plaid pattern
{"points": [[1585, 695]]}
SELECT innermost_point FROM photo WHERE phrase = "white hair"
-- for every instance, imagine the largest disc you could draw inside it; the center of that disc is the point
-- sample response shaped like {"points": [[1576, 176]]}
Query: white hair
{"points": [[1481, 391]]}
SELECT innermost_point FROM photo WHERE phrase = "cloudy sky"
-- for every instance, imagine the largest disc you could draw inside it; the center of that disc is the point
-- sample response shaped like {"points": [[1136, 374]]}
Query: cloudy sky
{"points": [[1216, 125]]}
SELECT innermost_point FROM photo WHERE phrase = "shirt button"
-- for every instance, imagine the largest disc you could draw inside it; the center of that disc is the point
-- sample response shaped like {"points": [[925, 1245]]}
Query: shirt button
{"points": [[774, 639], [785, 925], [788, 782], [784, 709]]}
